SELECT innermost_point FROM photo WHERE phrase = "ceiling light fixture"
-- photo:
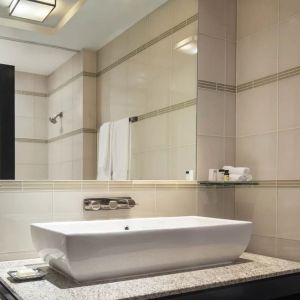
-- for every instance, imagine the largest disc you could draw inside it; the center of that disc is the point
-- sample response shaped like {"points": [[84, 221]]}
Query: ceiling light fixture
{"points": [[188, 45], [36, 10]]}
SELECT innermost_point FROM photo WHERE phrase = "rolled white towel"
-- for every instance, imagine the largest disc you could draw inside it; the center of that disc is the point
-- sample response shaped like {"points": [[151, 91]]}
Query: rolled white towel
{"points": [[239, 178], [237, 170]]}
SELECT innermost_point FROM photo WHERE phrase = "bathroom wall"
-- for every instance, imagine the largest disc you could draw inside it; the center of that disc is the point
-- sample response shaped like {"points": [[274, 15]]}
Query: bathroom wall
{"points": [[31, 112], [72, 140], [140, 73], [268, 139], [216, 85]]}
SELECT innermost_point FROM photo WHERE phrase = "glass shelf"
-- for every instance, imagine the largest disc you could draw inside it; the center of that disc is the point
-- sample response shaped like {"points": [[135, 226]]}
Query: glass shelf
{"points": [[227, 183]]}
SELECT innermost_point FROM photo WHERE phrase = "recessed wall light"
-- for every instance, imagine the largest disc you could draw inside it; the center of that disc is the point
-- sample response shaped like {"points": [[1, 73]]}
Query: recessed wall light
{"points": [[188, 45], [36, 10]]}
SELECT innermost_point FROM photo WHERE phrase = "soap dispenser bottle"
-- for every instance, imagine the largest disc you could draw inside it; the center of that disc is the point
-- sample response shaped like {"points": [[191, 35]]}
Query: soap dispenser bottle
{"points": [[226, 175]]}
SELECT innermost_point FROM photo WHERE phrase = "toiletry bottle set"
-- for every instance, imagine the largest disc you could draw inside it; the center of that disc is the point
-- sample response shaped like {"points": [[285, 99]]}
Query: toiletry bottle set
{"points": [[190, 175], [219, 175]]}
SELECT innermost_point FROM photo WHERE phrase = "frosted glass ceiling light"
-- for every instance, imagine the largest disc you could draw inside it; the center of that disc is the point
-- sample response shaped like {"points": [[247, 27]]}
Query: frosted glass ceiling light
{"points": [[36, 10], [187, 46]]}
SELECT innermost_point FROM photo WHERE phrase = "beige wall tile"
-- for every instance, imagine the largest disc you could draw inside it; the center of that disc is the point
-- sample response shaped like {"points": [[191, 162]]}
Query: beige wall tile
{"points": [[229, 203], [257, 205], [18, 211], [230, 114], [257, 55], [288, 249], [31, 153], [210, 203], [182, 10], [216, 113], [287, 9], [24, 127], [212, 61], [89, 102], [104, 57], [230, 62], [249, 120], [154, 164], [288, 103], [230, 151], [31, 171], [182, 127], [262, 245], [30, 82], [89, 155], [288, 213], [181, 159], [288, 154], [169, 201], [89, 61], [210, 112], [211, 18], [183, 67], [255, 15], [138, 34], [160, 20], [210, 155], [289, 43], [259, 153]]}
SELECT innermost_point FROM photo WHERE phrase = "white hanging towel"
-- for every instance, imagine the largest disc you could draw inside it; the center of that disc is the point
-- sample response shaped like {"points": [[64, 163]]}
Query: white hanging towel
{"points": [[120, 149], [104, 156]]}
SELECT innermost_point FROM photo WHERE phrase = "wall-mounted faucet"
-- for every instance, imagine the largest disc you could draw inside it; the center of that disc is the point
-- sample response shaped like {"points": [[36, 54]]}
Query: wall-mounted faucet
{"points": [[53, 119], [94, 204]]}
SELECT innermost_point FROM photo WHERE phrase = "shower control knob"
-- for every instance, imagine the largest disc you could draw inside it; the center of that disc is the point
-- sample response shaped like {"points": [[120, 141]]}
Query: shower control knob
{"points": [[113, 204], [95, 205]]}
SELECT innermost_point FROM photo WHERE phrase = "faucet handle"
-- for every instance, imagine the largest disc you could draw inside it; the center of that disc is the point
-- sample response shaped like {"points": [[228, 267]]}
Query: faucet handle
{"points": [[94, 205], [113, 204]]}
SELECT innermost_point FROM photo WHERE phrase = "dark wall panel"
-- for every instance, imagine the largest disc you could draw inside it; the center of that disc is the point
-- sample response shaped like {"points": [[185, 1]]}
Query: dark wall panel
{"points": [[7, 122]]}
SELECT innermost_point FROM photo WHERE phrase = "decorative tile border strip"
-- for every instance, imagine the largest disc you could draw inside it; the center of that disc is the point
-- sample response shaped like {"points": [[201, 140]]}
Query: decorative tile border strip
{"points": [[269, 79], [45, 141], [91, 185], [127, 185], [71, 133], [81, 74], [29, 93], [167, 109], [152, 42], [26, 140], [253, 184], [274, 184], [216, 86]]}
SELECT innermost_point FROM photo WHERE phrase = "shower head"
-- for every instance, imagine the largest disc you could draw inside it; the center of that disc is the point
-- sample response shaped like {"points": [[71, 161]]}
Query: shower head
{"points": [[53, 119]]}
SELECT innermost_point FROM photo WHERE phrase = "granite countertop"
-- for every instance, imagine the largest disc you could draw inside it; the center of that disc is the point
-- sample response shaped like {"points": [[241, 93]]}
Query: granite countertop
{"points": [[57, 287]]}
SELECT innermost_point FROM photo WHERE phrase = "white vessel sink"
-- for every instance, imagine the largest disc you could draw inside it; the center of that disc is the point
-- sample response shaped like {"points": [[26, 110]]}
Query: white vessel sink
{"points": [[97, 250]]}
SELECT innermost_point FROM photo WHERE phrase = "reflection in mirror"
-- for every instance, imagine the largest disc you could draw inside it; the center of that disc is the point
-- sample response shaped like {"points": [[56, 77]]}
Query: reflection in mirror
{"points": [[123, 109]]}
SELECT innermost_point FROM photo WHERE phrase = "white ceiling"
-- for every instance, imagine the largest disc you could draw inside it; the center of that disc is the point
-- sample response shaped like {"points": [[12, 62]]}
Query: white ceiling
{"points": [[95, 24]]}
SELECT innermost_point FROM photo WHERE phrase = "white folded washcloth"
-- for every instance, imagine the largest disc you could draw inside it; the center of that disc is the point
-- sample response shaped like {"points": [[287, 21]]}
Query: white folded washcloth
{"points": [[237, 170], [239, 178]]}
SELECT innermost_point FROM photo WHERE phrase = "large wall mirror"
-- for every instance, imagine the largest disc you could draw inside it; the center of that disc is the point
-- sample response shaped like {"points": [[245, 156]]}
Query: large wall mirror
{"points": [[108, 92]]}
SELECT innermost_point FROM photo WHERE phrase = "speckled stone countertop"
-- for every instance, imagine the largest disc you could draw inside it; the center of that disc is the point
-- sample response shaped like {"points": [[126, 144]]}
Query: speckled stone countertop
{"points": [[57, 287]]}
